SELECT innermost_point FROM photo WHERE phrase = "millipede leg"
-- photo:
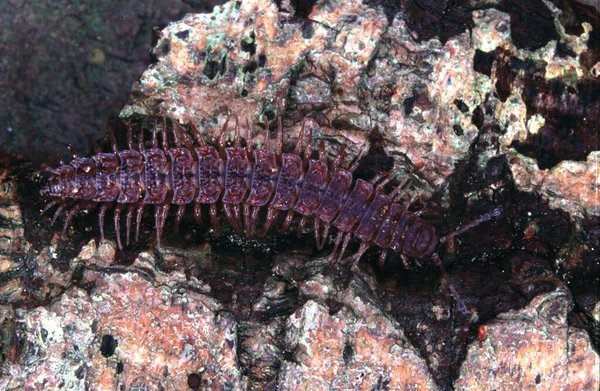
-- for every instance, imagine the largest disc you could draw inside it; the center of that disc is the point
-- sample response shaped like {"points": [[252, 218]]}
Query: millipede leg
{"points": [[57, 213], [176, 132], [271, 217], [267, 144], [377, 178], [237, 215], [250, 216], [288, 220], [53, 171], [198, 213], [154, 138], [214, 219], [322, 150], [237, 140], [69, 217], [129, 136], [361, 153], [157, 224], [141, 140], [249, 145], [279, 142], [247, 220], [308, 150], [163, 132], [179, 216], [138, 220], [381, 184], [197, 135], [233, 215], [113, 140], [103, 209], [324, 235], [162, 217], [298, 147], [356, 257], [400, 190], [321, 237], [301, 226], [382, 257], [228, 214], [72, 214], [405, 263], [460, 304], [338, 239], [340, 156], [253, 218], [128, 216], [49, 206], [187, 141], [344, 245], [317, 226], [117, 221], [222, 138]]}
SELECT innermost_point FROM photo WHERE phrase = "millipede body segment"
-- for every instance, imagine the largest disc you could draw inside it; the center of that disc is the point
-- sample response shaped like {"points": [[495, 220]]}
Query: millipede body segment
{"points": [[238, 182]]}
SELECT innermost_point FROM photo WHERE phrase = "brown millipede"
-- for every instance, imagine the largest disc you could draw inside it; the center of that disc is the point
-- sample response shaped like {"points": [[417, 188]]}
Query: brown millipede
{"points": [[240, 181]]}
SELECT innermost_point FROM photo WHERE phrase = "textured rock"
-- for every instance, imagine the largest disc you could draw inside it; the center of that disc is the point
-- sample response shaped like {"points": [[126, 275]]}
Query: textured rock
{"points": [[344, 352], [480, 118], [342, 66], [338, 337], [570, 185], [128, 331], [352, 69], [530, 349]]}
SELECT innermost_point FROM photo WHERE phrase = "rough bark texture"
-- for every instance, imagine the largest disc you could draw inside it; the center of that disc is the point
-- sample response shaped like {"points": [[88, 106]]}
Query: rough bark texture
{"points": [[476, 106]]}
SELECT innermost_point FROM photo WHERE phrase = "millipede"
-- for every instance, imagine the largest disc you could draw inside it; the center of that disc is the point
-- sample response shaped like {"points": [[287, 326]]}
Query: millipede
{"points": [[240, 182]]}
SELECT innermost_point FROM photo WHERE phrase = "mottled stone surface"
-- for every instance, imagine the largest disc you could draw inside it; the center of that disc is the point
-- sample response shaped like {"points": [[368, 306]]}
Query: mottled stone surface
{"points": [[570, 185], [129, 330], [352, 346], [484, 115], [530, 349], [352, 72]]}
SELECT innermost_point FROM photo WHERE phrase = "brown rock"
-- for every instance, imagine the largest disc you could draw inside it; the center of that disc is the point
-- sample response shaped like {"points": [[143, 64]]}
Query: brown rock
{"points": [[531, 349], [127, 331], [343, 352]]}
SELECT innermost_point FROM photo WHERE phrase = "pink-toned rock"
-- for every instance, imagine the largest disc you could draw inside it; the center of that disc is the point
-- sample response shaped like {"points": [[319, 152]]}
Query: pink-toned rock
{"points": [[571, 186], [351, 74], [352, 346], [343, 352], [350, 70], [532, 349], [127, 331]]}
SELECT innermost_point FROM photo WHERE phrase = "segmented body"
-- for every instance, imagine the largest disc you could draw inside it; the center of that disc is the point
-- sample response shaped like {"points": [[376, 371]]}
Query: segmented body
{"points": [[239, 182]]}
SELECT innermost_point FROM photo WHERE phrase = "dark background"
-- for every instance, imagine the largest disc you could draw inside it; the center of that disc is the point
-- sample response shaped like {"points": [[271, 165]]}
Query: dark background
{"points": [[67, 66]]}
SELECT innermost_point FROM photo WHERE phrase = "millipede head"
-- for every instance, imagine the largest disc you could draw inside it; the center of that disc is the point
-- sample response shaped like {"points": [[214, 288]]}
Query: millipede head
{"points": [[53, 187]]}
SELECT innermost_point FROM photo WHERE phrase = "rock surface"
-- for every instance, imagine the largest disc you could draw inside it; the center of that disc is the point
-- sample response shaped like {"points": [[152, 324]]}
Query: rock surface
{"points": [[353, 71], [477, 109], [127, 331], [502, 358]]}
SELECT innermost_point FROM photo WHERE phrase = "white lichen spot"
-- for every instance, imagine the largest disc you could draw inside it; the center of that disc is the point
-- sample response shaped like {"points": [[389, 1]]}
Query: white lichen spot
{"points": [[492, 29], [535, 123]]}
